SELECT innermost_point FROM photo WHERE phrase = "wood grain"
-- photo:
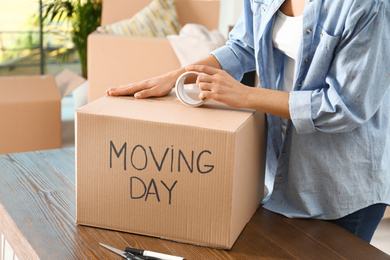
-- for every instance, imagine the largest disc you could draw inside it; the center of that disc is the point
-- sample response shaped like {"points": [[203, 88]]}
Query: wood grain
{"points": [[38, 213]]}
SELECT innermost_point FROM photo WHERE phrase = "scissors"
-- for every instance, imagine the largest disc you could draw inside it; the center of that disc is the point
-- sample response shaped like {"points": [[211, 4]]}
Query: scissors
{"points": [[128, 255]]}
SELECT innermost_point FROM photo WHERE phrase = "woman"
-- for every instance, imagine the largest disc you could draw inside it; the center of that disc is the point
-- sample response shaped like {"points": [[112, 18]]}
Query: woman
{"points": [[324, 74]]}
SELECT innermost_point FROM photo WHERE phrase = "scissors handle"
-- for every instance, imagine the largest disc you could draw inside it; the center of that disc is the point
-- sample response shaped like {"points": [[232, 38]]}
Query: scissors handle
{"points": [[130, 256]]}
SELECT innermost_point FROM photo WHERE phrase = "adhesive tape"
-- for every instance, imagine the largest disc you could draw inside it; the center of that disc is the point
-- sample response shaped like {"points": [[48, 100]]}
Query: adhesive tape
{"points": [[182, 94]]}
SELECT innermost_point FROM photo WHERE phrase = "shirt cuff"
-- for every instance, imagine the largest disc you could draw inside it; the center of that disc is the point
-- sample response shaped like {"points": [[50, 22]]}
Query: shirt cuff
{"points": [[229, 62], [300, 111]]}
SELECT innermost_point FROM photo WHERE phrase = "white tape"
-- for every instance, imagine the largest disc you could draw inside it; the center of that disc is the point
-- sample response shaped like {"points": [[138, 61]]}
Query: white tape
{"points": [[182, 94]]}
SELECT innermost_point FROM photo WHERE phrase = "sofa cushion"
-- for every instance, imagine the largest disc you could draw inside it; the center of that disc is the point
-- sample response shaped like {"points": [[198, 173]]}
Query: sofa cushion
{"points": [[158, 19]]}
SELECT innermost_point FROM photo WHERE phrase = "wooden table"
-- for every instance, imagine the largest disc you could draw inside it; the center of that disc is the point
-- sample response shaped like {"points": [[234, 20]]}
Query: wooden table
{"points": [[38, 212]]}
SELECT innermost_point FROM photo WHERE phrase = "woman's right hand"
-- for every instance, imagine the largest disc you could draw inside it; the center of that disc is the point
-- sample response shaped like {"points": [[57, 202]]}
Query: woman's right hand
{"points": [[154, 87]]}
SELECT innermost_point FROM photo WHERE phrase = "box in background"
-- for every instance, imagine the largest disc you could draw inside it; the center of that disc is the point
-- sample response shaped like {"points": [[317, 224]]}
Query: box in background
{"points": [[156, 167], [30, 110], [205, 12], [387, 212], [30, 114], [117, 60]]}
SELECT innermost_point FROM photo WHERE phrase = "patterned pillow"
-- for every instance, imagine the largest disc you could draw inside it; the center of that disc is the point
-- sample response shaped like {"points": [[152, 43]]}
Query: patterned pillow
{"points": [[158, 19]]}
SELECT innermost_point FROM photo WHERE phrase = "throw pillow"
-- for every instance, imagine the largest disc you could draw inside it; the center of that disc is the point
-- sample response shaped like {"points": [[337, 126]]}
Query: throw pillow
{"points": [[158, 19]]}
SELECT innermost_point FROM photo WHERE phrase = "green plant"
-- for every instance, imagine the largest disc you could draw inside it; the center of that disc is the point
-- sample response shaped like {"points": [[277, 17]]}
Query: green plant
{"points": [[84, 17]]}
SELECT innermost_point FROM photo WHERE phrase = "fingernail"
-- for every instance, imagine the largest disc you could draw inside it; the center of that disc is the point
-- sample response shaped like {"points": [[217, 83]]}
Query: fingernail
{"points": [[137, 95]]}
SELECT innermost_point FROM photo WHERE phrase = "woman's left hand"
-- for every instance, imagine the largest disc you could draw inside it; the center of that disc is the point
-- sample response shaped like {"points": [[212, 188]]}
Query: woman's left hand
{"points": [[219, 85]]}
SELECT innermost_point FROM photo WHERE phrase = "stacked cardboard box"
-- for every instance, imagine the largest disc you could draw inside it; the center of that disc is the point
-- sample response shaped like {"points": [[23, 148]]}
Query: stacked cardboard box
{"points": [[116, 60], [387, 213]]}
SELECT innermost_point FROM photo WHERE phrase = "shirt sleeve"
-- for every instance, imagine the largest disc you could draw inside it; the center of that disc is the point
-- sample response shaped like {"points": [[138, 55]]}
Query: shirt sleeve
{"points": [[358, 78], [237, 56]]}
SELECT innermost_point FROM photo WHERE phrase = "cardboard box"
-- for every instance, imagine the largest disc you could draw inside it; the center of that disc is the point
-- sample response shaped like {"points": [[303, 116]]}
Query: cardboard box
{"points": [[387, 213], [30, 111], [159, 168], [30, 114], [117, 60], [205, 12]]}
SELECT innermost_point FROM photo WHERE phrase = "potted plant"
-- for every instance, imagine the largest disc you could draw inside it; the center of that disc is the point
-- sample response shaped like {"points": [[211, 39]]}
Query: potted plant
{"points": [[84, 17]]}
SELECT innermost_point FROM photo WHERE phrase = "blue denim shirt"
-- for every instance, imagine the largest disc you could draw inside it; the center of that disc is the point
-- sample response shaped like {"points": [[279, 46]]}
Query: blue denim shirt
{"points": [[335, 156]]}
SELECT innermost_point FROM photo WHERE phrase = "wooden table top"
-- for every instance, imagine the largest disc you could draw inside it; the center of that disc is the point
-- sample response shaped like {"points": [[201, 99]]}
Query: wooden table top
{"points": [[38, 213]]}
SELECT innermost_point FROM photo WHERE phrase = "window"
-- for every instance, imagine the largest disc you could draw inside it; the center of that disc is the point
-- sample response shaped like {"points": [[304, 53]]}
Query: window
{"points": [[21, 50]]}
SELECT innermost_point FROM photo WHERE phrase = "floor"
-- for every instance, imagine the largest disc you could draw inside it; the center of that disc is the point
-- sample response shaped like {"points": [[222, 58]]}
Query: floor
{"points": [[381, 238]]}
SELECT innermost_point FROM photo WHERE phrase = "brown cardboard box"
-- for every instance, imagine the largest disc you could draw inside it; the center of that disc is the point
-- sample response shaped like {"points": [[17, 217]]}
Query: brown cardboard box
{"points": [[205, 12], [159, 168], [387, 213], [30, 110], [30, 114], [116, 60]]}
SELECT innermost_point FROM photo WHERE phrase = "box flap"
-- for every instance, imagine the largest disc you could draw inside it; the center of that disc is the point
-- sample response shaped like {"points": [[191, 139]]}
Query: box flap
{"points": [[19, 89], [212, 115], [67, 81]]}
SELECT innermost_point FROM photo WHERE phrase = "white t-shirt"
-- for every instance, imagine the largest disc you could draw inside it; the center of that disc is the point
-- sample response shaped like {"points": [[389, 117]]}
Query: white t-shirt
{"points": [[287, 35]]}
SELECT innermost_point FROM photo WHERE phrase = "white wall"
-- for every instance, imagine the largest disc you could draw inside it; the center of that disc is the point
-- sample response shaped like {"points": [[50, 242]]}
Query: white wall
{"points": [[229, 13]]}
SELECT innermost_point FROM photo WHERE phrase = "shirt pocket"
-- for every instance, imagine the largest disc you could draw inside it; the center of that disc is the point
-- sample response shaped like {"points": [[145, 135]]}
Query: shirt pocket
{"points": [[324, 51], [325, 41]]}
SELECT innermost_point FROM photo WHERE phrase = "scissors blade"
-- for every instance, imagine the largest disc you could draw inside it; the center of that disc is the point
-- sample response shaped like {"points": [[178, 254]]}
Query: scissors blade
{"points": [[117, 251]]}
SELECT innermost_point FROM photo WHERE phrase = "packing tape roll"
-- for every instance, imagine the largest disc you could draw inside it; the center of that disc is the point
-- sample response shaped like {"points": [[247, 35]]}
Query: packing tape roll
{"points": [[182, 94]]}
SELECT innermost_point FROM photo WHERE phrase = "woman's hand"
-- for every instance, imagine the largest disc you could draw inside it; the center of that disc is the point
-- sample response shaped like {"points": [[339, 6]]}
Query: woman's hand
{"points": [[158, 86], [220, 86], [154, 87]]}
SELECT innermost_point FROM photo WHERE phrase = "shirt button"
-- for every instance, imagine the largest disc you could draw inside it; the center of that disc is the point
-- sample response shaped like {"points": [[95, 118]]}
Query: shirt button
{"points": [[280, 177], [307, 60], [308, 31], [283, 154], [299, 84]]}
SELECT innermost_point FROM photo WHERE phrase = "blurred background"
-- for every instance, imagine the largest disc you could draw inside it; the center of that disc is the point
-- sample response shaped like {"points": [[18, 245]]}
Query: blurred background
{"points": [[20, 48]]}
